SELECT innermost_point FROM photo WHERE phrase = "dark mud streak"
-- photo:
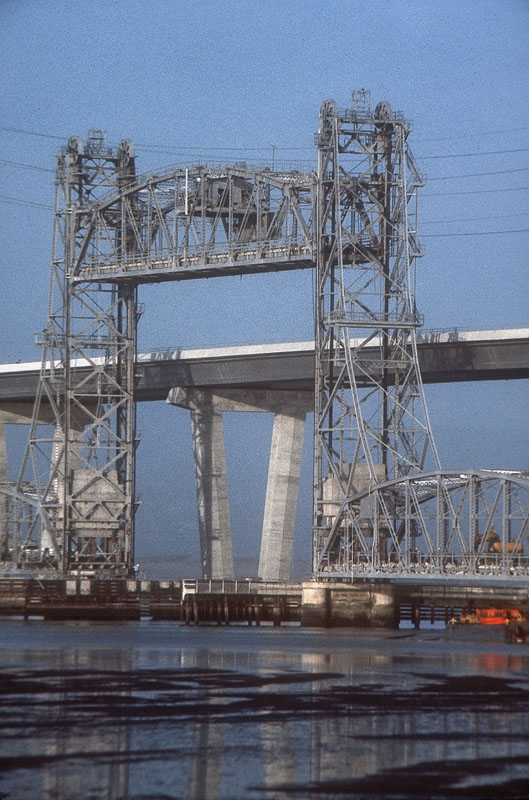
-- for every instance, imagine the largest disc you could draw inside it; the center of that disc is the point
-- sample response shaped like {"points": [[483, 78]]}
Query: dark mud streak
{"points": [[53, 700], [171, 691], [436, 780]]}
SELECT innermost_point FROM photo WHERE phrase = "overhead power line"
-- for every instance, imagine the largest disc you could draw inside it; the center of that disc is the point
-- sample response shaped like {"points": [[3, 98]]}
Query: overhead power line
{"points": [[471, 135], [20, 201], [34, 133], [473, 233], [21, 165], [25, 166], [472, 155], [34, 203], [473, 219], [267, 148], [17, 201], [475, 191], [478, 174]]}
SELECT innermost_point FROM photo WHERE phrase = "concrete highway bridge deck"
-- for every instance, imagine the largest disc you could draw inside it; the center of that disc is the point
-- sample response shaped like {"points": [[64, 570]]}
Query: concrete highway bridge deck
{"points": [[444, 356]]}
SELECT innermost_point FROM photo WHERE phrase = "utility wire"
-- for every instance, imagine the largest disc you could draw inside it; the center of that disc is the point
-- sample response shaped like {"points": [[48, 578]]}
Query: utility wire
{"points": [[197, 151], [475, 191], [478, 174], [19, 201], [34, 133], [20, 165], [472, 155], [473, 233], [474, 219], [472, 135], [25, 166], [265, 148]]}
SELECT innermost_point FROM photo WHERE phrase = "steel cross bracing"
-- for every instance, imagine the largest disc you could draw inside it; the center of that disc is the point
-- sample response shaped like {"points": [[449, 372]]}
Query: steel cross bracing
{"points": [[201, 222], [443, 524], [81, 448], [113, 231], [377, 511]]}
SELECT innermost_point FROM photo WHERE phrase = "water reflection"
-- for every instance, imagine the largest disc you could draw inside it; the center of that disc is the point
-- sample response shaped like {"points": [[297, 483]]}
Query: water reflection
{"points": [[139, 710]]}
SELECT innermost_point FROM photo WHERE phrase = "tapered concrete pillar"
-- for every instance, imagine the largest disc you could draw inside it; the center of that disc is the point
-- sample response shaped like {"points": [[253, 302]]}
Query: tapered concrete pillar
{"points": [[3, 453], [212, 492], [281, 497], [48, 539]]}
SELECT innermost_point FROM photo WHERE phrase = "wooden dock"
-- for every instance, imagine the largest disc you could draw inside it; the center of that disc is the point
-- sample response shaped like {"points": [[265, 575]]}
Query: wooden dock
{"points": [[364, 603]]}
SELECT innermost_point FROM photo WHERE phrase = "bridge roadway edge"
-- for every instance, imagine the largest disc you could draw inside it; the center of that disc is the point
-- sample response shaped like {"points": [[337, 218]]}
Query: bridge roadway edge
{"points": [[443, 357]]}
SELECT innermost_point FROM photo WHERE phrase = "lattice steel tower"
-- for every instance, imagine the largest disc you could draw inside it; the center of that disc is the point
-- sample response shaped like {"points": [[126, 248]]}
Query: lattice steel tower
{"points": [[371, 423], [82, 440]]}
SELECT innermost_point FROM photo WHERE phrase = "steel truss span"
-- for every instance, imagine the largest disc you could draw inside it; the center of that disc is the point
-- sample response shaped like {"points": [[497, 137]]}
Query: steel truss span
{"points": [[438, 524], [200, 222]]}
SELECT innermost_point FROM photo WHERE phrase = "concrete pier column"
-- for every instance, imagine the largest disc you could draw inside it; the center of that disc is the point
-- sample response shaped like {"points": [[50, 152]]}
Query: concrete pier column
{"points": [[212, 492], [3, 453], [290, 409], [22, 413], [10, 414], [49, 541], [281, 496], [4, 502]]}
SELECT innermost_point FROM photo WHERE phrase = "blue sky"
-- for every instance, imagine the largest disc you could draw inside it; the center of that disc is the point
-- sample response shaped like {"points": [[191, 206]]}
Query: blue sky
{"points": [[231, 80]]}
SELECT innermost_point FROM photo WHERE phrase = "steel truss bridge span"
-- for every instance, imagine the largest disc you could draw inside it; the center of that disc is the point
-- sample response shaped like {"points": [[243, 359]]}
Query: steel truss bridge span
{"points": [[199, 222], [355, 224], [435, 524]]}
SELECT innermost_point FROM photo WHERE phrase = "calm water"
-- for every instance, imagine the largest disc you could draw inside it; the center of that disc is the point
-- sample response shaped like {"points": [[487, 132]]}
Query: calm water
{"points": [[158, 710]]}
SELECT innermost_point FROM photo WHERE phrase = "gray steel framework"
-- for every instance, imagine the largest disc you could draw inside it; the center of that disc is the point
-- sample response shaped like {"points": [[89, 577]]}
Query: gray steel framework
{"points": [[202, 222], [371, 423], [374, 502], [82, 464], [381, 502], [112, 232], [452, 524]]}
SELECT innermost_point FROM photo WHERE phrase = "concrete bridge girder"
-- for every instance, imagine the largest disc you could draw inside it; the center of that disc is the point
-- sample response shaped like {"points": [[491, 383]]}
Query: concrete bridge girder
{"points": [[443, 357], [206, 407]]}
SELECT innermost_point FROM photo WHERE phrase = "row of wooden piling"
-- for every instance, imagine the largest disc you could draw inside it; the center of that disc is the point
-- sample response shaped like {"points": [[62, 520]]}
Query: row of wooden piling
{"points": [[223, 609]]}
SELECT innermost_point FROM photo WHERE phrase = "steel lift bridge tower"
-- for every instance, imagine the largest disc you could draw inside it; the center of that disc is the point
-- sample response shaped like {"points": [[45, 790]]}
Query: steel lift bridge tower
{"points": [[382, 504], [82, 440]]}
